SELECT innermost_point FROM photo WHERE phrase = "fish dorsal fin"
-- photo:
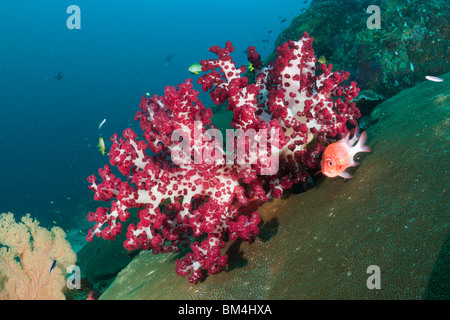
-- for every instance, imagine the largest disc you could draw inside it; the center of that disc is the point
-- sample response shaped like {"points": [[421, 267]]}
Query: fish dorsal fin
{"points": [[355, 137]]}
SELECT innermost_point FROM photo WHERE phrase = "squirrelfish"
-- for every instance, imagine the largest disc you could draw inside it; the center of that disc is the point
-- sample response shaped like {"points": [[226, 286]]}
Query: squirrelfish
{"points": [[338, 156], [101, 145]]}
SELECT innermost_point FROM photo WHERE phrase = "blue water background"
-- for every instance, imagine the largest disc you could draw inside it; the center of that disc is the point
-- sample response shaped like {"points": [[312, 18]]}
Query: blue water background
{"points": [[49, 129]]}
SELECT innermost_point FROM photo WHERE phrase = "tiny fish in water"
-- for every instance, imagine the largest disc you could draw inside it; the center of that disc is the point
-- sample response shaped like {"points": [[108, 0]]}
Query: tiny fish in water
{"points": [[170, 57], [195, 68], [338, 156], [101, 123], [250, 67], [52, 267], [322, 59], [101, 145], [433, 78], [59, 76]]}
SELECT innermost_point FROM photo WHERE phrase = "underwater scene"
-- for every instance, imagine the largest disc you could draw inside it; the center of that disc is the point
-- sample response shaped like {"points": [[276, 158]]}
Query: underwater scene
{"points": [[210, 150]]}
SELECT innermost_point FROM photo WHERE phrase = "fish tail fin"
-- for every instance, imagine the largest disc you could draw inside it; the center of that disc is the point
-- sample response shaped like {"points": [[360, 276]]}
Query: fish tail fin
{"points": [[361, 145]]}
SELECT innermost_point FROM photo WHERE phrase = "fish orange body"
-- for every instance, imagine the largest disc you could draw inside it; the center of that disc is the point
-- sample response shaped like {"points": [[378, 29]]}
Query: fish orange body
{"points": [[338, 156]]}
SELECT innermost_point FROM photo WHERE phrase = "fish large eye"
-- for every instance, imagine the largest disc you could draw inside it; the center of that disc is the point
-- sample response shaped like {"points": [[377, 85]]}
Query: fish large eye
{"points": [[330, 163]]}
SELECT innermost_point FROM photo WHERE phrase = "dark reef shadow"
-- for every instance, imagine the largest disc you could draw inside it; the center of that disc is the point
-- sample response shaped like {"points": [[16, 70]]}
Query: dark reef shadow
{"points": [[438, 287], [269, 229], [235, 256]]}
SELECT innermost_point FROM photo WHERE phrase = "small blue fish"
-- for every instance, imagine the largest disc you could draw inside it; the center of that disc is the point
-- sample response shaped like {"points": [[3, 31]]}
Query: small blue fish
{"points": [[52, 267]]}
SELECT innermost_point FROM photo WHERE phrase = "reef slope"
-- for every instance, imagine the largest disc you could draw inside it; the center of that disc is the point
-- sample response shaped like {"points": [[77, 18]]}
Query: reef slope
{"points": [[318, 244]]}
